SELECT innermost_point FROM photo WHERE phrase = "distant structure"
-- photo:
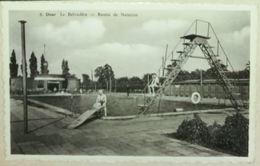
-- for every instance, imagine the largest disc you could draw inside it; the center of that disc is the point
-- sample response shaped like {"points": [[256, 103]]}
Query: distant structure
{"points": [[46, 83]]}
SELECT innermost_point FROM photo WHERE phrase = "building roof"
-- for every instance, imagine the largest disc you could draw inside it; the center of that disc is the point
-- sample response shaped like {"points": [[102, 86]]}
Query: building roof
{"points": [[50, 77]]}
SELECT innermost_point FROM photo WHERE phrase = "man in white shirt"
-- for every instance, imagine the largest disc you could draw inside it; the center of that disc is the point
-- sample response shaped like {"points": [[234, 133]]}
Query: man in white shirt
{"points": [[154, 84], [101, 102]]}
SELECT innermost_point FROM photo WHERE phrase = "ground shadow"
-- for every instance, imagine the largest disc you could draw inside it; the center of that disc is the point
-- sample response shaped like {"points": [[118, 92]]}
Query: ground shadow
{"points": [[45, 125], [35, 119]]}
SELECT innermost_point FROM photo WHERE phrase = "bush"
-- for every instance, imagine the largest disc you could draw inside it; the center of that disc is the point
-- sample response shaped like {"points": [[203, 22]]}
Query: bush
{"points": [[233, 135], [194, 130], [214, 131]]}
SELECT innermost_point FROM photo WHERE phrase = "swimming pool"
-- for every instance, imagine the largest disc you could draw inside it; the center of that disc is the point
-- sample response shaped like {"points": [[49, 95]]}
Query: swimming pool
{"points": [[118, 104]]}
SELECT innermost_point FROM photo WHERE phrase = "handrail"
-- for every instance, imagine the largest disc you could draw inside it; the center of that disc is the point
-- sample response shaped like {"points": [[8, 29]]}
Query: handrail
{"points": [[221, 47]]}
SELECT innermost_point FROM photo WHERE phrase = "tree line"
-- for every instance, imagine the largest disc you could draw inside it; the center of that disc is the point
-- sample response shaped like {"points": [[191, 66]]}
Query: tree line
{"points": [[106, 78], [33, 65]]}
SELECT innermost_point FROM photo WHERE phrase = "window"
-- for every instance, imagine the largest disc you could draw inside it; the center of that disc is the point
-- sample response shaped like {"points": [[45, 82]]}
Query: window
{"points": [[40, 84]]}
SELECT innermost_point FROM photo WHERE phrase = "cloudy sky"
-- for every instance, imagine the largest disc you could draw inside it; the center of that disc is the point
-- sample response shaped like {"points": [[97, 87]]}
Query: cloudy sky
{"points": [[131, 45]]}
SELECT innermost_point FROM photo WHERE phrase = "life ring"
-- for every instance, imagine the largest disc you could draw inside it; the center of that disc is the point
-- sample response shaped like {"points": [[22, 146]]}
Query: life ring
{"points": [[195, 97]]}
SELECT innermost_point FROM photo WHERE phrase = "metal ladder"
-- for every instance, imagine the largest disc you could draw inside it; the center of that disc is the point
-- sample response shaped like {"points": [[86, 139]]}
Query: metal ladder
{"points": [[213, 61], [188, 49]]}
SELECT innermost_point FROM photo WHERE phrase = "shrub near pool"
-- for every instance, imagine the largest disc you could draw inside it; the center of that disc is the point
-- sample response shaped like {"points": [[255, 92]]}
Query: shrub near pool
{"points": [[194, 130], [232, 136]]}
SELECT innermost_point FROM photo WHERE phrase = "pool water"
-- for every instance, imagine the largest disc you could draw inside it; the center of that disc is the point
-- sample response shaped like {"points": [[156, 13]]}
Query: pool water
{"points": [[120, 105]]}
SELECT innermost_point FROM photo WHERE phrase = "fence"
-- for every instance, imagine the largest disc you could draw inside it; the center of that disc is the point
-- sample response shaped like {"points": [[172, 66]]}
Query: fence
{"points": [[206, 90]]}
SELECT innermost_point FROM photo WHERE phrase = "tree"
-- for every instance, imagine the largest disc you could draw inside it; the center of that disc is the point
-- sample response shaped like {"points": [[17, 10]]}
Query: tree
{"points": [[171, 66], [109, 76], [33, 65], [65, 67], [121, 84], [65, 72], [183, 75], [105, 75], [195, 74], [247, 66], [136, 83], [13, 65], [247, 70], [99, 74], [86, 80], [211, 73], [44, 65], [108, 72], [147, 77]]}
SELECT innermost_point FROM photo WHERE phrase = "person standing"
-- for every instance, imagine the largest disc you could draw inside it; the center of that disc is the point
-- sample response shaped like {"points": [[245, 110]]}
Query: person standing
{"points": [[154, 84], [127, 89], [101, 102]]}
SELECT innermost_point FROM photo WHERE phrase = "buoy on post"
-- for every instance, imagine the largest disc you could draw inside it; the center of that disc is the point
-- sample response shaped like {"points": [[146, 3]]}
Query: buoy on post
{"points": [[195, 98]]}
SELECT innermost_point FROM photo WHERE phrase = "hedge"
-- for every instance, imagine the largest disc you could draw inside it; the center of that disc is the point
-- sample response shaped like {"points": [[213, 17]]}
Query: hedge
{"points": [[231, 137]]}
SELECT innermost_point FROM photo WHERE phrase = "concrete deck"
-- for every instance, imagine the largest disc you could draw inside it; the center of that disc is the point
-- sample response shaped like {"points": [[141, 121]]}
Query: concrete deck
{"points": [[146, 136]]}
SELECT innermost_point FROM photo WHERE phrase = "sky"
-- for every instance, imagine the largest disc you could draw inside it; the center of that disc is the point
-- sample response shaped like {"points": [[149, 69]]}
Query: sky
{"points": [[132, 45]]}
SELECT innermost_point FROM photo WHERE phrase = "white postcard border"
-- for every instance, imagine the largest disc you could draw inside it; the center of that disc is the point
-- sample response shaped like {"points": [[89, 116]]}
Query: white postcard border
{"points": [[9, 6]]}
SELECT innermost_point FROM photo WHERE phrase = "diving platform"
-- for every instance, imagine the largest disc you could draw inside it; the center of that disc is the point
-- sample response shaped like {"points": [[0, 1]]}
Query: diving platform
{"points": [[180, 52], [175, 60], [186, 44], [191, 37]]}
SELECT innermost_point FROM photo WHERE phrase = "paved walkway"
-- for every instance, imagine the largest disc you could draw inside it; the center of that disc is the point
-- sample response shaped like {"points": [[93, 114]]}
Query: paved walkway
{"points": [[142, 136]]}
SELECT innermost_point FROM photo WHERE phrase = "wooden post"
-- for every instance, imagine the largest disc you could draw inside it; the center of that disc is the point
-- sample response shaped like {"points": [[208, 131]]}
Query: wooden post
{"points": [[93, 83], [201, 83], [208, 29], [25, 110], [107, 84], [148, 83], [218, 48], [196, 24], [200, 77], [110, 84], [115, 85], [164, 59]]}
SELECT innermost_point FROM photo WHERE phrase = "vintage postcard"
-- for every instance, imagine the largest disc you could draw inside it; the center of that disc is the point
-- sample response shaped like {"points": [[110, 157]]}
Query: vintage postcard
{"points": [[129, 82]]}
